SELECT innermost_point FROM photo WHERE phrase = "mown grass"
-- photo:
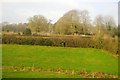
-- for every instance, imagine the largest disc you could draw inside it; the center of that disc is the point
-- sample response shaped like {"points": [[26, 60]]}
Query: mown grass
{"points": [[88, 59]]}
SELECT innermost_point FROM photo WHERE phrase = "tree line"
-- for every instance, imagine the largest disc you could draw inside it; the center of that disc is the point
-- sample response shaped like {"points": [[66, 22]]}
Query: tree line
{"points": [[73, 22]]}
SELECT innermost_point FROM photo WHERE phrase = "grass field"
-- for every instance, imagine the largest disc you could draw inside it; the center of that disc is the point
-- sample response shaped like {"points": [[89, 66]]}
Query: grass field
{"points": [[29, 74], [47, 57]]}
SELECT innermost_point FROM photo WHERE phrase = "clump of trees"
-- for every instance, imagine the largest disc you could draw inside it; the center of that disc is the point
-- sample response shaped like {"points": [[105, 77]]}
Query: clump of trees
{"points": [[105, 25], [103, 30], [68, 24], [38, 24], [78, 22], [7, 27], [73, 22]]}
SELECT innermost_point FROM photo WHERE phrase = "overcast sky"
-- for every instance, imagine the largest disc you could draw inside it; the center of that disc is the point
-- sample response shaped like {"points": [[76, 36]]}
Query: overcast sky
{"points": [[16, 11]]}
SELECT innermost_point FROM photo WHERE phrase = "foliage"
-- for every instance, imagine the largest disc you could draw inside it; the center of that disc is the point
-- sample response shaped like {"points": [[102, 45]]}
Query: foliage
{"points": [[98, 42], [105, 25], [6, 27], [68, 23], [38, 23], [73, 22], [27, 32], [102, 32]]}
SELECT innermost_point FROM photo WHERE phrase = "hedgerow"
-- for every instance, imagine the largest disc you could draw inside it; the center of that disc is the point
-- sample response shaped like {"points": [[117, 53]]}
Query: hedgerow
{"points": [[108, 44]]}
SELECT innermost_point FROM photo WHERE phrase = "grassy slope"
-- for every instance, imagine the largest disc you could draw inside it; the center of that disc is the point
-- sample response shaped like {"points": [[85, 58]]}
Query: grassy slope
{"points": [[59, 57]]}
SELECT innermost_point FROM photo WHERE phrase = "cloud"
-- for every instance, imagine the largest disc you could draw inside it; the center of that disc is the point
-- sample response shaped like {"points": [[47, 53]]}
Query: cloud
{"points": [[60, 1], [53, 9]]}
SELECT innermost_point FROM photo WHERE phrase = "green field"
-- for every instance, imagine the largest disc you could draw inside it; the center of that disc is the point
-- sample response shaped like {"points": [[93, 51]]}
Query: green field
{"points": [[47, 57], [29, 74]]}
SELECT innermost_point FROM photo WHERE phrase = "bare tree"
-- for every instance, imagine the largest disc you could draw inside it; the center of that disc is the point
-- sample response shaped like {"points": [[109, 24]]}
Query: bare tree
{"points": [[110, 25], [68, 23], [99, 23], [85, 21], [38, 24]]}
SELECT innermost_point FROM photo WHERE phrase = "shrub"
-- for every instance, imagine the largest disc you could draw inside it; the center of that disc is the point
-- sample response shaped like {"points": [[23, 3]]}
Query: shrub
{"points": [[108, 44], [111, 45], [27, 32]]}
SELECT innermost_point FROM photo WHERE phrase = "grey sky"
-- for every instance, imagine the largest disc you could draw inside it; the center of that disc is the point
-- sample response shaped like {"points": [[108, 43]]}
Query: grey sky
{"points": [[20, 11]]}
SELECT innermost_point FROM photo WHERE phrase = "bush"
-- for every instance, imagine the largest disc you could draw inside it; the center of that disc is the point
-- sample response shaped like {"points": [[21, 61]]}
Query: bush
{"points": [[111, 45], [108, 44], [27, 32]]}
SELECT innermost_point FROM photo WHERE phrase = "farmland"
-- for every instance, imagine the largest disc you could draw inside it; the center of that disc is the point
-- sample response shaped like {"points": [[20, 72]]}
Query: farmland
{"points": [[50, 59], [66, 41]]}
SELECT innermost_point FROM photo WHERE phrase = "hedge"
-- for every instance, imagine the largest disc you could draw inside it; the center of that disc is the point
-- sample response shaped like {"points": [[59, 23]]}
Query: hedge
{"points": [[110, 45]]}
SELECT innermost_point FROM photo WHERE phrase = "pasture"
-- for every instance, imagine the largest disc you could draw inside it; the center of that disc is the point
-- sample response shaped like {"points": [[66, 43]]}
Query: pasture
{"points": [[49, 59]]}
